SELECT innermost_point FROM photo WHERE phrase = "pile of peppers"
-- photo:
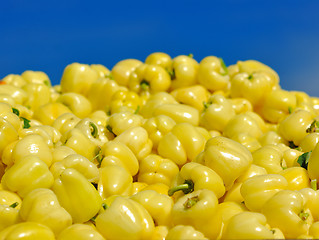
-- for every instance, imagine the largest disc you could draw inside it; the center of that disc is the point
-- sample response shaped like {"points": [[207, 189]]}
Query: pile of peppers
{"points": [[165, 149]]}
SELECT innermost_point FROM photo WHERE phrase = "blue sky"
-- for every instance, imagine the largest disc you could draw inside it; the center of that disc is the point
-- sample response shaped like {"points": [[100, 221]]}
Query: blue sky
{"points": [[48, 35]]}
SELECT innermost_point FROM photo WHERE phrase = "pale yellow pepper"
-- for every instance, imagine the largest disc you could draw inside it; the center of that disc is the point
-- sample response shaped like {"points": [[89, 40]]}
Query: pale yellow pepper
{"points": [[125, 219], [77, 103], [80, 231], [314, 230], [91, 131], [38, 95], [11, 115], [241, 105], [125, 100], [250, 142], [309, 142], [27, 174], [297, 178], [65, 122], [74, 192], [27, 231], [182, 144], [8, 134], [101, 70], [41, 205], [47, 113], [159, 58], [14, 79], [60, 152], [122, 70], [18, 94], [181, 232], [10, 204], [38, 77], [160, 233], [311, 198]]}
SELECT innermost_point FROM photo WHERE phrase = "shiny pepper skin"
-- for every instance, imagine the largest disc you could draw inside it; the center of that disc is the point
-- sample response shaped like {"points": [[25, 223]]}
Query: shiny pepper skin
{"points": [[180, 232], [80, 232], [122, 70]]}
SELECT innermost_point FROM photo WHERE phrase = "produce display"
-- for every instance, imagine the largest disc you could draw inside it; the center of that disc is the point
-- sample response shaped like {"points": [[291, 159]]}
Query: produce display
{"points": [[169, 148]]}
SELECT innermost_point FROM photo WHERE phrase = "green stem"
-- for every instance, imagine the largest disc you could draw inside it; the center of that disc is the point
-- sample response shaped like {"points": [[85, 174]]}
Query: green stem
{"points": [[191, 202], [94, 130], [144, 85], [303, 215], [186, 187]]}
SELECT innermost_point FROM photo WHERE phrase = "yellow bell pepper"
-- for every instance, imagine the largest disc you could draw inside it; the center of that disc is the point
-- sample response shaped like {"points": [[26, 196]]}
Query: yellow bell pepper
{"points": [[213, 74], [309, 142], [14, 80], [78, 162], [27, 174], [250, 142], [159, 233], [11, 115], [36, 77], [60, 152], [80, 231], [156, 169], [183, 72], [99, 117], [9, 209], [258, 189], [101, 70], [152, 78], [117, 153], [8, 134], [241, 105], [18, 94], [34, 145], [180, 113], [198, 209], [313, 166], [228, 158], [217, 113], [65, 122], [290, 156], [157, 127], [193, 96], [311, 198], [101, 92], [6, 98], [158, 187], [194, 176], [119, 122], [270, 157], [125, 100], [41, 205], [182, 144], [297, 178], [38, 94], [78, 78], [181, 232], [159, 58], [250, 225], [296, 126], [286, 211], [125, 219], [277, 105], [122, 70], [92, 131], [77, 103], [158, 205], [47, 113], [271, 137], [74, 192], [6, 157], [114, 180], [137, 187], [252, 86], [137, 140], [314, 231], [27, 231]]}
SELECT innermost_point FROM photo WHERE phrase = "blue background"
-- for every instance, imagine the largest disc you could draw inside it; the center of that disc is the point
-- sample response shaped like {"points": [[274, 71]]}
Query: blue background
{"points": [[48, 35]]}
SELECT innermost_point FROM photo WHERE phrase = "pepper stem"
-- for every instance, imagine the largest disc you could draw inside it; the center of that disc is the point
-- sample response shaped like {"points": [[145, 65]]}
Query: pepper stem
{"points": [[186, 187], [303, 215], [313, 184], [191, 202], [144, 85]]}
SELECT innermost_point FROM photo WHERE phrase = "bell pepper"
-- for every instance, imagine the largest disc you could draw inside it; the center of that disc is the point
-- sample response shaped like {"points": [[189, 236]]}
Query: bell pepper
{"points": [[213, 73], [250, 142], [270, 137], [137, 140], [290, 156], [250, 225], [125, 100], [296, 126], [152, 78], [92, 131], [18, 94], [119, 122], [6, 157], [27, 231], [258, 189], [218, 111], [198, 209], [314, 231], [270, 157], [253, 86], [101, 70], [277, 105], [313, 166], [27, 174], [309, 142], [157, 127], [14, 80], [65, 122], [297, 178], [125, 219], [286, 211], [228, 158], [241, 105], [182, 144], [34, 145], [159, 58], [183, 72], [117, 153], [137, 187], [159, 233], [194, 176], [60, 152], [193, 96], [311, 199], [8, 134], [41, 205], [122, 70], [160, 188], [99, 117], [180, 232], [80, 231], [78, 78], [114, 180], [47, 113], [78, 162], [6, 112], [9, 209], [36, 77], [156, 169], [180, 113], [38, 94], [155, 100], [158, 205], [77, 103], [74, 191]]}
